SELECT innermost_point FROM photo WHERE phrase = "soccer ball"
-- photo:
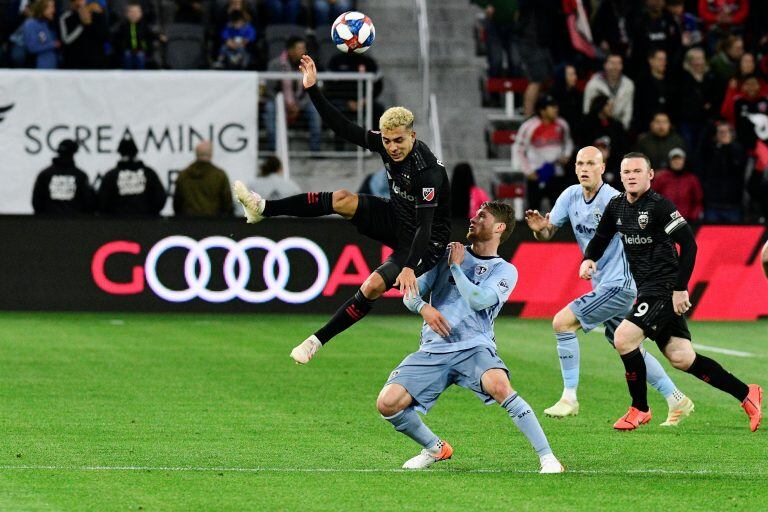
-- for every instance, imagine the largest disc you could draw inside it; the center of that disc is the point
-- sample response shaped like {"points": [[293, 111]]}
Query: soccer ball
{"points": [[353, 32]]}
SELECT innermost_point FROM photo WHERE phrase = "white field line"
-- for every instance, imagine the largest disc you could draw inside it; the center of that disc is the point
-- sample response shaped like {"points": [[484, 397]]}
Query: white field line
{"points": [[202, 469], [706, 348]]}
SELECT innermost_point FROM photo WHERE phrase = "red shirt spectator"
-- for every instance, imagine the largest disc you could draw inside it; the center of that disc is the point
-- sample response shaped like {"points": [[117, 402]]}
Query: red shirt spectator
{"points": [[680, 186], [726, 13]]}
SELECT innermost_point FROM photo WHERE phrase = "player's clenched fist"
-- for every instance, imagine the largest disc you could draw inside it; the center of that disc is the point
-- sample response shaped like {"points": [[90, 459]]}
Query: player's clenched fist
{"points": [[457, 253], [588, 269]]}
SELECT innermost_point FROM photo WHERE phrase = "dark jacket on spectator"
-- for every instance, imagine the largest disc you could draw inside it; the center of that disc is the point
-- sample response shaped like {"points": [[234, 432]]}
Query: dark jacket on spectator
{"points": [[653, 95], [745, 128], [136, 38], [647, 34], [612, 24], [657, 148], [63, 189], [202, 190], [698, 100], [131, 188], [722, 174], [83, 45]]}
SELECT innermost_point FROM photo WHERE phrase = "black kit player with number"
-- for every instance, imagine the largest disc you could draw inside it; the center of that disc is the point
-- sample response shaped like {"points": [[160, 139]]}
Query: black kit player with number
{"points": [[415, 222], [650, 226]]}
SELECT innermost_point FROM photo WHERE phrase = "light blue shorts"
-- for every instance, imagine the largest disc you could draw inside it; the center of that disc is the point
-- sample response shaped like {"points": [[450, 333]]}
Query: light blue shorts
{"points": [[605, 305], [425, 375]]}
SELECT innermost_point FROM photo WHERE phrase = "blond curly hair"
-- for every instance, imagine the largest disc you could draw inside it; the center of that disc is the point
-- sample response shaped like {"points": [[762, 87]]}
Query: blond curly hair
{"points": [[396, 116]]}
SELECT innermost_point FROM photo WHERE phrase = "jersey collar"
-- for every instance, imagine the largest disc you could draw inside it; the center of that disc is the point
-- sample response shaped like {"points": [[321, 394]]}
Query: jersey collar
{"points": [[470, 251], [593, 197]]}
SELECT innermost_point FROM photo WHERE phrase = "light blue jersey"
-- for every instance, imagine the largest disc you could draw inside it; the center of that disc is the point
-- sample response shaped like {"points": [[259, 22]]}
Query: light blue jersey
{"points": [[469, 328], [612, 268]]}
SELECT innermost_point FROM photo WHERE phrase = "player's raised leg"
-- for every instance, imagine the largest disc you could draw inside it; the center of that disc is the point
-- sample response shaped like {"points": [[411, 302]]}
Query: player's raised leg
{"points": [[495, 382], [680, 353], [395, 405], [628, 338], [311, 204]]}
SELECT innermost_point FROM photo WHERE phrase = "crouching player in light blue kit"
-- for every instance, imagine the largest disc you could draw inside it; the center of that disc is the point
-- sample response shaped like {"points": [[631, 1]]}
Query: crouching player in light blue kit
{"points": [[613, 288], [468, 288]]}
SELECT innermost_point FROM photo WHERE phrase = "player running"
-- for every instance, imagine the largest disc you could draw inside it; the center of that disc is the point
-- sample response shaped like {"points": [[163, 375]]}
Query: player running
{"points": [[415, 223], [650, 226], [613, 289], [468, 288]]}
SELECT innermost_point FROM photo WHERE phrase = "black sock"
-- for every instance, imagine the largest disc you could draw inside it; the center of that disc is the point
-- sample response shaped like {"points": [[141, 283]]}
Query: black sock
{"points": [[311, 204], [634, 364], [349, 313], [715, 375]]}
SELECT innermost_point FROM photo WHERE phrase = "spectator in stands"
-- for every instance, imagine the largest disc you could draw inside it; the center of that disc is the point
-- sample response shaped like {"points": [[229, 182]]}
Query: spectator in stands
{"points": [[747, 68], [681, 186], [567, 94], [376, 184], [202, 189], [224, 10], [542, 147], [651, 28], [84, 34], [131, 188], [500, 26], [724, 16], [616, 86], [725, 63], [466, 196], [610, 26], [600, 124], [295, 97], [687, 23], [751, 109], [326, 11], [283, 11], [723, 162], [39, 40], [343, 93], [272, 183], [655, 91], [659, 141], [62, 188], [237, 39], [133, 38], [697, 100], [536, 35]]}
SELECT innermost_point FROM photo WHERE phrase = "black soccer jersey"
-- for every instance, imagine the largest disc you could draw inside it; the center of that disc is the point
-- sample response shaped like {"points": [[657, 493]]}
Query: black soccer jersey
{"points": [[646, 227], [418, 181]]}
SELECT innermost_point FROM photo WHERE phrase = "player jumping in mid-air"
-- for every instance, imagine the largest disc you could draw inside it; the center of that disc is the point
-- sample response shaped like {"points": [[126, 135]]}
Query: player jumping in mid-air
{"points": [[468, 288], [415, 223], [613, 289], [650, 226]]}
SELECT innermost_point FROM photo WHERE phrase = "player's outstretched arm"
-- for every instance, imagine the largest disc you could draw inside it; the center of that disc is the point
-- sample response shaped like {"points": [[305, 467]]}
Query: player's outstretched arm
{"points": [[330, 114], [542, 228]]}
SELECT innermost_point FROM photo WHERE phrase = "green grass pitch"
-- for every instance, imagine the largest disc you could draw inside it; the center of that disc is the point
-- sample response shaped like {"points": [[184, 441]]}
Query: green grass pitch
{"points": [[207, 412]]}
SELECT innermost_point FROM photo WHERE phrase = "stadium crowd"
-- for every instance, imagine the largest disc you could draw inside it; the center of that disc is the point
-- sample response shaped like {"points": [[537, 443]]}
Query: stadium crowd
{"points": [[683, 81]]}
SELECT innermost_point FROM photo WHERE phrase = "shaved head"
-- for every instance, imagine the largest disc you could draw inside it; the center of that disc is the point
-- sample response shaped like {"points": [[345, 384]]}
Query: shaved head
{"points": [[590, 168], [590, 152], [204, 151]]}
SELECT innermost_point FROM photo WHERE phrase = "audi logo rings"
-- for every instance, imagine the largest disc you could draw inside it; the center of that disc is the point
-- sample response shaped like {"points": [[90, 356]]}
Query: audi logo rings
{"points": [[237, 269]]}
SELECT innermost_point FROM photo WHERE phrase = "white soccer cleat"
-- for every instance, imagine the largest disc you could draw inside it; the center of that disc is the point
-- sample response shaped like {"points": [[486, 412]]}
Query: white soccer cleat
{"points": [[550, 464], [426, 459], [562, 409], [304, 352], [678, 412], [253, 204]]}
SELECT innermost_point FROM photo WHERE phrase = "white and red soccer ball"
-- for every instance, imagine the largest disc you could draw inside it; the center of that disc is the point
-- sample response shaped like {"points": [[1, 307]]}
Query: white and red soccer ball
{"points": [[353, 32]]}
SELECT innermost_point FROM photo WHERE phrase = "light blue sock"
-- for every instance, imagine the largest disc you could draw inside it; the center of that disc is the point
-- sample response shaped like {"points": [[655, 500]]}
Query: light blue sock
{"points": [[409, 423], [525, 419], [568, 350], [656, 376]]}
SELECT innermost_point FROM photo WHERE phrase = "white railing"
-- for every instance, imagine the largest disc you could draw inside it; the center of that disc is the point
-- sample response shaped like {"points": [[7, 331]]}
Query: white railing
{"points": [[424, 59], [365, 83], [434, 124]]}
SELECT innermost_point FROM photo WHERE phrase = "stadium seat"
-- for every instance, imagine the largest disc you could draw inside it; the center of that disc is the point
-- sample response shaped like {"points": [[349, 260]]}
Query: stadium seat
{"points": [[503, 136], [507, 86], [184, 49]]}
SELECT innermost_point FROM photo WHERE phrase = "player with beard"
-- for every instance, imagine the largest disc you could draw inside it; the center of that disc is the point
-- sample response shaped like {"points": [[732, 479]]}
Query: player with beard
{"points": [[650, 227], [415, 222], [468, 287]]}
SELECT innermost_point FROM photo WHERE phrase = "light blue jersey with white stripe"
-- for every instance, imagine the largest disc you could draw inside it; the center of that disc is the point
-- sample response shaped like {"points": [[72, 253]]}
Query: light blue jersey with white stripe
{"points": [[469, 328], [612, 268]]}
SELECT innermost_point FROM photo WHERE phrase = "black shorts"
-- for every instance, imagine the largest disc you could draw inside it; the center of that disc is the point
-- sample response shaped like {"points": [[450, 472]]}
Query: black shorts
{"points": [[375, 218], [658, 320]]}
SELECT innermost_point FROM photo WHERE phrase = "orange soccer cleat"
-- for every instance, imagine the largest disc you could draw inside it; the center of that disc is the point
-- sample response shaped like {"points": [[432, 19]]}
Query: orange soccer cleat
{"points": [[633, 419], [752, 405]]}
